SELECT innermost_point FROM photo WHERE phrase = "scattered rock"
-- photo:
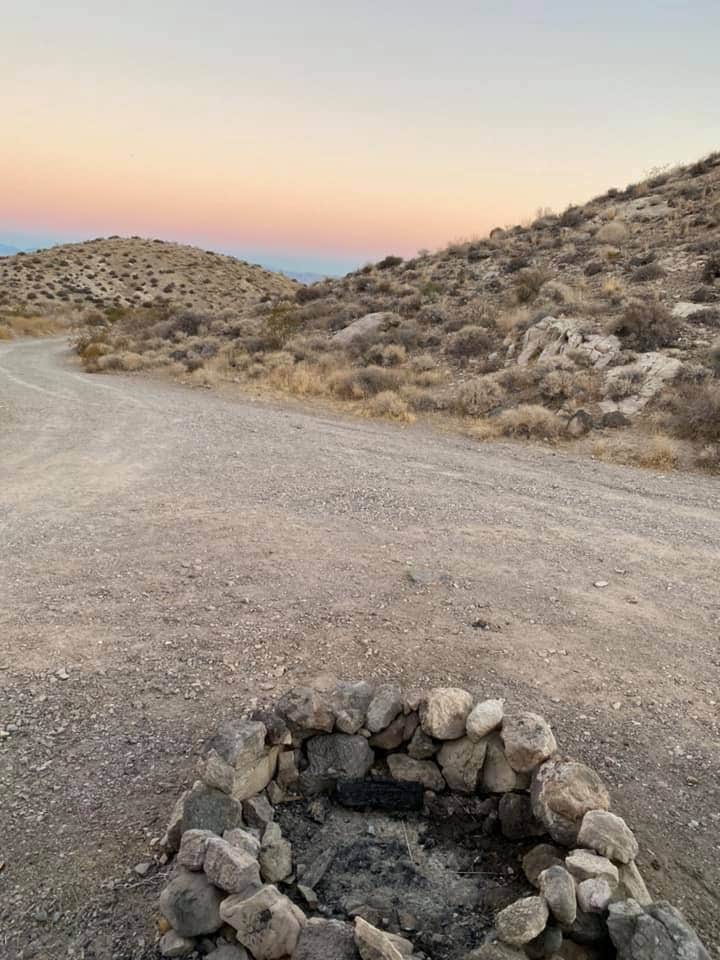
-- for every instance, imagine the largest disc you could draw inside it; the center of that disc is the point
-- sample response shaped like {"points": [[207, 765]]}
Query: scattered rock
{"points": [[655, 932], [374, 944], [350, 702], [383, 708], [462, 762], [421, 746], [516, 817], [580, 423], [558, 888], [306, 712], [444, 712], [192, 848], [609, 835], [584, 865], [497, 774], [231, 868], [333, 757], [191, 904], [228, 951], [484, 718], [540, 858], [268, 924], [563, 791], [522, 921], [528, 740], [275, 855], [416, 771], [593, 896], [173, 945], [258, 811], [326, 940]]}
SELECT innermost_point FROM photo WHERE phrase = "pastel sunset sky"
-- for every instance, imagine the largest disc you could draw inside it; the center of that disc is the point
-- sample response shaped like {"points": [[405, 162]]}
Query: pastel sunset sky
{"points": [[322, 134]]}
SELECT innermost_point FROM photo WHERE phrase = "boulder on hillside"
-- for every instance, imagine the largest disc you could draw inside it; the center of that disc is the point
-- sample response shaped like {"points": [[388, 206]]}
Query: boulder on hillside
{"points": [[370, 323]]}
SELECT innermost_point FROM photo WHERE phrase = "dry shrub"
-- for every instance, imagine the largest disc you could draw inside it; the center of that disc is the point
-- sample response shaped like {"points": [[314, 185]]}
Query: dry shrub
{"points": [[392, 355], [422, 401], [528, 421], [646, 325], [622, 385], [709, 457], [612, 232], [657, 452], [692, 411], [528, 284], [470, 341], [388, 404], [476, 398], [125, 361], [650, 271], [560, 294], [713, 358], [613, 289], [580, 386], [359, 383], [517, 320]]}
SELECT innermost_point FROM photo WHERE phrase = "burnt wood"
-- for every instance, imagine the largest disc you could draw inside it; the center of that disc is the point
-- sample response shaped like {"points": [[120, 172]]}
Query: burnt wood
{"points": [[380, 794]]}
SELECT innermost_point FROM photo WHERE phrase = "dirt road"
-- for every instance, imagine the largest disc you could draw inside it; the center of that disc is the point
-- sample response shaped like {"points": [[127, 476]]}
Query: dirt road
{"points": [[168, 554]]}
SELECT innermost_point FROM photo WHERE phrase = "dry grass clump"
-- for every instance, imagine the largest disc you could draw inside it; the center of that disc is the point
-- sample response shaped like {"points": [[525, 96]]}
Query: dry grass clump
{"points": [[359, 383], [692, 411], [18, 324], [654, 452], [528, 284], [646, 325], [389, 405], [477, 398], [613, 232], [529, 421], [470, 341]]}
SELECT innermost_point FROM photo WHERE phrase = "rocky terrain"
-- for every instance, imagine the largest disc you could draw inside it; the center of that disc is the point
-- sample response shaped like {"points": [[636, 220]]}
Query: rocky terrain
{"points": [[602, 322], [122, 272]]}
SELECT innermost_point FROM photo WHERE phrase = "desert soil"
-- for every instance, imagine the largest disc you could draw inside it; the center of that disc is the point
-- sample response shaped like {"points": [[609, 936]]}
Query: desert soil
{"points": [[168, 556]]}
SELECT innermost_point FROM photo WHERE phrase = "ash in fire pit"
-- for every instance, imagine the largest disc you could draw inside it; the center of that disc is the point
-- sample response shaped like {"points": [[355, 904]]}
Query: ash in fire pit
{"points": [[437, 879], [303, 840]]}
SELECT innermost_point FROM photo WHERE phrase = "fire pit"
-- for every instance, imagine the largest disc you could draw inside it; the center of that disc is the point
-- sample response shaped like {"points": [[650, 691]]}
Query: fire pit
{"points": [[359, 822]]}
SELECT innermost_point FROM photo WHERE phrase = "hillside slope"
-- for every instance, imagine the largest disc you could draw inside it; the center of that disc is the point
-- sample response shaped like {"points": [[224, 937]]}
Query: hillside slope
{"points": [[121, 272], [593, 320]]}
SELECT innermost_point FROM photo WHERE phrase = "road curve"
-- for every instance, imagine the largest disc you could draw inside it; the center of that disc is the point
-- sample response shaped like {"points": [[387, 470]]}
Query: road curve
{"points": [[174, 552]]}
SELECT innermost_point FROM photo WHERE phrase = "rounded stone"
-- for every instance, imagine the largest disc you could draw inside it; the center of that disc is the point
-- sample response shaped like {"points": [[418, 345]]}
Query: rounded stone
{"points": [[191, 904], [444, 712], [528, 740], [484, 718], [608, 835], [522, 921], [562, 792]]}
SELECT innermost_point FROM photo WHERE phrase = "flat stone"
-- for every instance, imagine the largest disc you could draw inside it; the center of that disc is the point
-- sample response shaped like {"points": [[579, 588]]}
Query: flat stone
{"points": [[275, 855], [585, 865], [205, 808], [444, 712], [333, 757], [593, 896], [655, 932], [417, 771], [383, 708], [462, 762], [563, 791], [258, 811], [350, 704], [253, 780], [484, 717], [497, 774], [558, 888], [421, 746], [541, 857], [192, 848], [191, 904], [516, 817], [326, 940], [528, 741], [232, 869], [173, 945], [392, 736], [243, 840], [374, 944], [522, 921], [268, 924], [170, 841], [306, 712], [632, 884], [609, 835], [228, 951]]}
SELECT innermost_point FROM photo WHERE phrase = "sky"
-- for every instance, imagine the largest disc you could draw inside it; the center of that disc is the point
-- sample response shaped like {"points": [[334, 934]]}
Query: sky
{"points": [[321, 135]]}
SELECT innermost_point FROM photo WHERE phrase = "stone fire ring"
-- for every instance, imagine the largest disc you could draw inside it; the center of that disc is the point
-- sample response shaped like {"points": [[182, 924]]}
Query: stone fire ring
{"points": [[223, 898]]}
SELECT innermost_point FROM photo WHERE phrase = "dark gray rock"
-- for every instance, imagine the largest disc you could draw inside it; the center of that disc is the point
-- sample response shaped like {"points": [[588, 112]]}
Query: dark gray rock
{"points": [[558, 888], [191, 904], [350, 702], [655, 932], [383, 708], [306, 712], [541, 857], [587, 928], [326, 940], [207, 809], [546, 945], [338, 756], [516, 817], [614, 420]]}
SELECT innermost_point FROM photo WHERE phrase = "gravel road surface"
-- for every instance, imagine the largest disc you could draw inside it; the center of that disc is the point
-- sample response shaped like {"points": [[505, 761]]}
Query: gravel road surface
{"points": [[168, 555]]}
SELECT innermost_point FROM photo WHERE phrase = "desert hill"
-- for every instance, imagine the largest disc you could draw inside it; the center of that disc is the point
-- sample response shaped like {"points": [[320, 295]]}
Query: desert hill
{"points": [[589, 321], [119, 272]]}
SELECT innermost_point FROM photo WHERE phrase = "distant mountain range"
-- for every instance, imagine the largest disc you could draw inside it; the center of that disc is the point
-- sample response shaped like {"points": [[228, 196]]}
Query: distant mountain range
{"points": [[7, 251], [305, 277]]}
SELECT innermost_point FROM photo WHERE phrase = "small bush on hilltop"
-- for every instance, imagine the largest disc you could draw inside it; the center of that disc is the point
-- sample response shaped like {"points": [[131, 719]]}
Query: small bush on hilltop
{"points": [[646, 325]]}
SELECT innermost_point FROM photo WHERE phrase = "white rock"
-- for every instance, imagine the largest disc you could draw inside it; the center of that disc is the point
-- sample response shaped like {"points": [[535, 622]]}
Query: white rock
{"points": [[484, 718], [268, 924], [444, 712]]}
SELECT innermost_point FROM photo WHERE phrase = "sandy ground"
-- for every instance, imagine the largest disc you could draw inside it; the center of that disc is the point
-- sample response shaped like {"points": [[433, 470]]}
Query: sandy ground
{"points": [[167, 555]]}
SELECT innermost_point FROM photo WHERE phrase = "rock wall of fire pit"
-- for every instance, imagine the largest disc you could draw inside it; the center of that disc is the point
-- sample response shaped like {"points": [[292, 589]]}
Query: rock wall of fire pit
{"points": [[378, 746]]}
